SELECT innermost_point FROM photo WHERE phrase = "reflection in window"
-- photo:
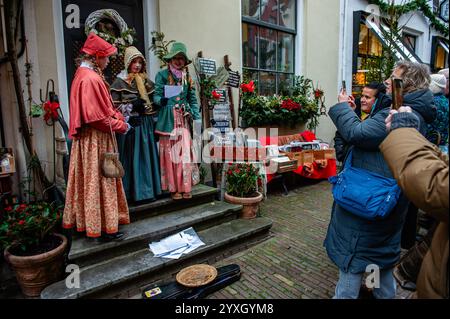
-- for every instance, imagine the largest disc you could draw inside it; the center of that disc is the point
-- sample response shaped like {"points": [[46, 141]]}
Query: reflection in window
{"points": [[267, 83], [369, 62], [410, 41], [250, 45], [269, 11], [268, 43], [441, 58], [285, 52], [251, 8], [287, 14], [285, 82], [268, 49]]}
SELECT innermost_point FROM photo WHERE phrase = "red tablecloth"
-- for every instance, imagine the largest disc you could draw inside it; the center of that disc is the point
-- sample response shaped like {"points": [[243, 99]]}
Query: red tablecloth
{"points": [[317, 172]]}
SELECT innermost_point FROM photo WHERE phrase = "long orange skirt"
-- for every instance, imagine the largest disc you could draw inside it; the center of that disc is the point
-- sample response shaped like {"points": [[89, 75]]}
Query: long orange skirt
{"points": [[93, 203]]}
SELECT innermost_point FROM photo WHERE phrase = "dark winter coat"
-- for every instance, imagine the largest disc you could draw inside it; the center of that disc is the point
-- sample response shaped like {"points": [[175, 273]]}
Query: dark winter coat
{"points": [[352, 242]]}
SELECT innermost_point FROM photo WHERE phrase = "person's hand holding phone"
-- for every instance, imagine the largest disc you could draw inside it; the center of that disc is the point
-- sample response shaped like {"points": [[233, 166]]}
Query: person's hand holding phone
{"points": [[343, 97], [351, 102]]}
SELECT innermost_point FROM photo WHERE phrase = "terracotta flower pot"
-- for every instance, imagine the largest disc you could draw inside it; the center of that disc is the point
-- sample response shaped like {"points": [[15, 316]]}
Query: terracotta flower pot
{"points": [[250, 205], [34, 273]]}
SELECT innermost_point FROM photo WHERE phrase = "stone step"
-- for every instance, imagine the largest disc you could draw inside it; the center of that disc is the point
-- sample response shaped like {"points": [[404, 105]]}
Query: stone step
{"points": [[129, 268], [200, 194], [139, 234]]}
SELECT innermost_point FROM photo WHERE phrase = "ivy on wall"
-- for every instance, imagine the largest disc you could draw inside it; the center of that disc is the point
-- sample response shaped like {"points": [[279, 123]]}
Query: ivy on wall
{"points": [[414, 5]]}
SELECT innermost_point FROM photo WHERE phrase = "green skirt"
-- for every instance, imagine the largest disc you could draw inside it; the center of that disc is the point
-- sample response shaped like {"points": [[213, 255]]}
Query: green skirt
{"points": [[140, 160]]}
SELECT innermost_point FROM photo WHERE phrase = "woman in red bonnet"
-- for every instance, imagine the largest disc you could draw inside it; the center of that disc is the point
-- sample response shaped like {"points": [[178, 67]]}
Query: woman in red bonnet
{"points": [[94, 204]]}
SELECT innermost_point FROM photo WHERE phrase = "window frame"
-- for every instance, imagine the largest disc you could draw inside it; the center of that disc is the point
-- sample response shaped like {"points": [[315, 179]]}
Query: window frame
{"points": [[276, 27]]}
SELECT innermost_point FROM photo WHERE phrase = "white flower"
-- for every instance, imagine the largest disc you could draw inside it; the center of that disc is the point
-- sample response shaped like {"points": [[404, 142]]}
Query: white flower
{"points": [[120, 41], [130, 39]]}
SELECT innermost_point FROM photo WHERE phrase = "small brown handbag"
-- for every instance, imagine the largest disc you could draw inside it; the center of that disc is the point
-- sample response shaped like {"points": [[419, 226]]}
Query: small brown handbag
{"points": [[110, 163]]}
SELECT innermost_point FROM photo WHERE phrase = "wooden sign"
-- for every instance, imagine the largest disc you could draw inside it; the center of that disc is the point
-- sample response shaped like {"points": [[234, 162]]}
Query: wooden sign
{"points": [[223, 96], [221, 77], [234, 79], [222, 112], [207, 66], [222, 126]]}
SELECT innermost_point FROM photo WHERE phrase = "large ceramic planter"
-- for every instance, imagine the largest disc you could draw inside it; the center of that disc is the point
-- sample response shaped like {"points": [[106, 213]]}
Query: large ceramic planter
{"points": [[34, 273], [250, 205]]}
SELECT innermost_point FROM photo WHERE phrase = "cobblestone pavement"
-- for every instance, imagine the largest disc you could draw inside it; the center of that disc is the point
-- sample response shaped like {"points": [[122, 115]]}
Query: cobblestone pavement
{"points": [[293, 263]]}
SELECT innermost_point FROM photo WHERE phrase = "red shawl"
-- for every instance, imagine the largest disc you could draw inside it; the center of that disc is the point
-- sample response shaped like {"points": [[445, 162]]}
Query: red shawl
{"points": [[90, 100]]}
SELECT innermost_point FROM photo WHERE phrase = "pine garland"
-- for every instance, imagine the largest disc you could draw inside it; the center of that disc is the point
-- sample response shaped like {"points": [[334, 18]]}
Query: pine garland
{"points": [[415, 5]]}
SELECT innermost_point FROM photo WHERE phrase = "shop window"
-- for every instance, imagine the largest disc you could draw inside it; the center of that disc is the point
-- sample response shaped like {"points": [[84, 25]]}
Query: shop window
{"points": [[369, 44], [439, 54], [268, 42]]}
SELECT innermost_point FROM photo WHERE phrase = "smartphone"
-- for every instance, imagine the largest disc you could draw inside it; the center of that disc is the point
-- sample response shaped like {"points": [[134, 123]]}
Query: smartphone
{"points": [[397, 93], [344, 87]]}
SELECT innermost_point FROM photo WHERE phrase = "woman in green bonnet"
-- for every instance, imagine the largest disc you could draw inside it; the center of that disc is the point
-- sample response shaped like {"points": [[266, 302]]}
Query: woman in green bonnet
{"points": [[132, 93], [175, 113]]}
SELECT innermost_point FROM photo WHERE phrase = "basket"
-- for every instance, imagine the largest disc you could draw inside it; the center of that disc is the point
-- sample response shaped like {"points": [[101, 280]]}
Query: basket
{"points": [[196, 275]]}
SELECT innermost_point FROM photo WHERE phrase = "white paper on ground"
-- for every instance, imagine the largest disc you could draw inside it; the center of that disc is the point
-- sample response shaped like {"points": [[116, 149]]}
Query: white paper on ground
{"points": [[172, 90], [173, 247]]}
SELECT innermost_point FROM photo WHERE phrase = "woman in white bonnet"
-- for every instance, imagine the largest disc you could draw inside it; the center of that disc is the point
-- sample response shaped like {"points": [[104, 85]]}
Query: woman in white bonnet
{"points": [[438, 130]]}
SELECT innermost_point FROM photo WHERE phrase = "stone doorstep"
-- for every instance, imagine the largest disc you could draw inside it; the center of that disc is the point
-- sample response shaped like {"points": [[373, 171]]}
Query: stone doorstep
{"points": [[154, 228], [198, 191], [140, 263]]}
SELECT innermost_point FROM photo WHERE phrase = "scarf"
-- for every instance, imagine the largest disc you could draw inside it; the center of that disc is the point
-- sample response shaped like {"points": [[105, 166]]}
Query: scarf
{"points": [[140, 78], [180, 75]]}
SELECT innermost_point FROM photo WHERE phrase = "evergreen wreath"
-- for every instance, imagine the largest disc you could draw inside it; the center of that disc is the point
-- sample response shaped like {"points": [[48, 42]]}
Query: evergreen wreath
{"points": [[127, 35], [415, 5]]}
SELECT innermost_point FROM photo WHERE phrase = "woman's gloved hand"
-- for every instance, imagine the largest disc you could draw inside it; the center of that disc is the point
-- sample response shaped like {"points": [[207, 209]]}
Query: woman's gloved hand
{"points": [[138, 105]]}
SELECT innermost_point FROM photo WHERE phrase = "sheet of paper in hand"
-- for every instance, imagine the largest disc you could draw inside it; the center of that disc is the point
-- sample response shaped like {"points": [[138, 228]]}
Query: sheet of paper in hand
{"points": [[172, 90]]}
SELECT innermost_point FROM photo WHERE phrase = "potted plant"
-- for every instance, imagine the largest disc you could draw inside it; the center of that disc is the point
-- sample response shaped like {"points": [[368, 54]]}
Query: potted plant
{"points": [[243, 180], [34, 251], [289, 111]]}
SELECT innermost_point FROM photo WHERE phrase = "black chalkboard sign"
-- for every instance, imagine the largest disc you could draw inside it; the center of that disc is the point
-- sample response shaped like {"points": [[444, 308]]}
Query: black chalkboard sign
{"points": [[207, 66], [222, 126], [234, 80]]}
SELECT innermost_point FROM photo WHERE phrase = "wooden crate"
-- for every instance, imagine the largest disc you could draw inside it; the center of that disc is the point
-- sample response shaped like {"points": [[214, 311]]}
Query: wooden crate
{"points": [[7, 153], [325, 154], [288, 166], [233, 153], [302, 157]]}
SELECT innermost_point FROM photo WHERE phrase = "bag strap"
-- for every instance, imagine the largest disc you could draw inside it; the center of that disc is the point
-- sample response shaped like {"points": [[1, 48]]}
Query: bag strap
{"points": [[349, 158], [113, 137]]}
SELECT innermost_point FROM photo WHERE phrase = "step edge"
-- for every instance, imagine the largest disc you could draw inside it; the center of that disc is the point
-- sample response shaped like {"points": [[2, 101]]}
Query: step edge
{"points": [[89, 291], [162, 231]]}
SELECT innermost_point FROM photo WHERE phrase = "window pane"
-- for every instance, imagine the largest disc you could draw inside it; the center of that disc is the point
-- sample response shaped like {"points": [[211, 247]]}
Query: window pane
{"points": [[285, 82], [368, 42], [285, 52], [269, 11], [410, 41], [267, 83], [250, 8], [268, 49], [250, 75], [287, 13], [250, 45], [441, 57]]}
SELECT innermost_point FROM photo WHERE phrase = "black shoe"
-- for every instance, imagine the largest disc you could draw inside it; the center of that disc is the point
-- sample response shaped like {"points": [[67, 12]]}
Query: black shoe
{"points": [[111, 237]]}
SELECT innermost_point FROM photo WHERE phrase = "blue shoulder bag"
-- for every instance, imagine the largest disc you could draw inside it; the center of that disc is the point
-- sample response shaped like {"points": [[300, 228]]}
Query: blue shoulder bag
{"points": [[364, 193]]}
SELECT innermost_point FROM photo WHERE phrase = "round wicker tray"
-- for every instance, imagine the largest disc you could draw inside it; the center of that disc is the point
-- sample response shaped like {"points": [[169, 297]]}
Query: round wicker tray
{"points": [[197, 275]]}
